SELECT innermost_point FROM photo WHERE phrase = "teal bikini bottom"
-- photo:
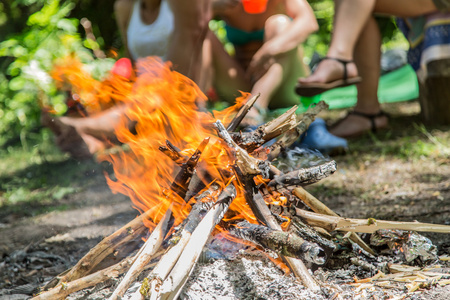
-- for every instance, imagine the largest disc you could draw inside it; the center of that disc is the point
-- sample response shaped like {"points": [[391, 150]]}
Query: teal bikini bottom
{"points": [[240, 37]]}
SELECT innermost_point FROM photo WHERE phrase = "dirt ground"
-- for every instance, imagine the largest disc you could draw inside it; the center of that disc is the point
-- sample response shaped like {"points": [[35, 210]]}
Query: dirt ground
{"points": [[370, 182]]}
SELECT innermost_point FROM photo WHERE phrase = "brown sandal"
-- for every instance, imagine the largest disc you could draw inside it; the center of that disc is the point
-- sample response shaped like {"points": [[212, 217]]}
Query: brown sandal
{"points": [[371, 117], [315, 88]]}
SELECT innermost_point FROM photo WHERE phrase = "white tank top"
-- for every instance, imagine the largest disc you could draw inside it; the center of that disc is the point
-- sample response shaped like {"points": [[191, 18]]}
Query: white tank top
{"points": [[150, 40]]}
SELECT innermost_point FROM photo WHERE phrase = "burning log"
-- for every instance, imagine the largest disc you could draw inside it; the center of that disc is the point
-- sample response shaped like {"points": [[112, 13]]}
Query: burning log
{"points": [[144, 256], [264, 133], [318, 207], [245, 166], [281, 242], [181, 182], [172, 286], [155, 278], [242, 113], [304, 177], [173, 152], [370, 225]]}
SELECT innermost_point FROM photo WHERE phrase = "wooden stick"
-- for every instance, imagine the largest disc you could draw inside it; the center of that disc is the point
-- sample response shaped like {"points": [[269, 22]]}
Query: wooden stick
{"points": [[172, 286], [294, 134], [318, 207], [264, 133], [242, 113], [144, 255], [245, 166], [279, 241], [370, 225], [156, 277], [173, 152], [248, 164], [310, 234], [181, 182], [108, 245], [304, 176], [63, 289]]}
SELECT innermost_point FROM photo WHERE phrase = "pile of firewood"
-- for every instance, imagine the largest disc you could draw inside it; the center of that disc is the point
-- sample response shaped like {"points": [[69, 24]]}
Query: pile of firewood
{"points": [[170, 253]]}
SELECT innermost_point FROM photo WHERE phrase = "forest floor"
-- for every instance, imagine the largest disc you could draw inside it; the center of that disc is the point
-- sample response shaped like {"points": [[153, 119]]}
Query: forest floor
{"points": [[54, 209]]}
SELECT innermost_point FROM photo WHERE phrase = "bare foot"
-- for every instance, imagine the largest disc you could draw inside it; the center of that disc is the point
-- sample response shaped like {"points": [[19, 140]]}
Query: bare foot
{"points": [[330, 70], [354, 125]]}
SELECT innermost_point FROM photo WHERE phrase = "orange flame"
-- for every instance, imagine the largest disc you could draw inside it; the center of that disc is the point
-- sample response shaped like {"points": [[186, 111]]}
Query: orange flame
{"points": [[161, 105], [93, 94]]}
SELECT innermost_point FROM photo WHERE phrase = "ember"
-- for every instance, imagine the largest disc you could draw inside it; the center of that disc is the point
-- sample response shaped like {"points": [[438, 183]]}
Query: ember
{"points": [[220, 181]]}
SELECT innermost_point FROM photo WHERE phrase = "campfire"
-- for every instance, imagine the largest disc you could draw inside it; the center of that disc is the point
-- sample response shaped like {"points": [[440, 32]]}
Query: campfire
{"points": [[193, 174]]}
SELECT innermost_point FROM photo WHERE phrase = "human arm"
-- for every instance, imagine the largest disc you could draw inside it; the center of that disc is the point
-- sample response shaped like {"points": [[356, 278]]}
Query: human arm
{"points": [[303, 23], [122, 11]]}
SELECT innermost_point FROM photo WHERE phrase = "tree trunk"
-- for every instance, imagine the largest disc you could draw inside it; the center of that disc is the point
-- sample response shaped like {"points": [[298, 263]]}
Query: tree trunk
{"points": [[434, 93]]}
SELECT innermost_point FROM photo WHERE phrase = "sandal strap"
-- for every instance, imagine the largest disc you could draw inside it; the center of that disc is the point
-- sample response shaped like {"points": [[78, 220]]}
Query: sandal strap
{"points": [[371, 117], [344, 62]]}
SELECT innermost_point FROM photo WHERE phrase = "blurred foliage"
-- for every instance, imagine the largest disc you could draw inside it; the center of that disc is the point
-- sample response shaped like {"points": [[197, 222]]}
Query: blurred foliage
{"points": [[35, 33]]}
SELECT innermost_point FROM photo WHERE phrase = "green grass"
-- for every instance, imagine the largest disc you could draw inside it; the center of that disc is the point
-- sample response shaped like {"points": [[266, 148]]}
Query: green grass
{"points": [[37, 177], [411, 143]]}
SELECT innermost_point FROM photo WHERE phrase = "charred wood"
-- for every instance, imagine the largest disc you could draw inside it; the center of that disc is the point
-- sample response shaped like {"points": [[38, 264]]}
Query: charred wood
{"points": [[279, 241], [264, 133], [188, 259], [173, 152], [294, 134], [181, 182], [310, 234], [242, 113], [304, 177]]}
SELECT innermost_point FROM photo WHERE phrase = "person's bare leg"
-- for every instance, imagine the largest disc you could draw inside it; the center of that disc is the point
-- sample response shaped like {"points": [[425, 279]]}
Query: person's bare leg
{"points": [[281, 76], [367, 59], [277, 83], [350, 18], [222, 71]]}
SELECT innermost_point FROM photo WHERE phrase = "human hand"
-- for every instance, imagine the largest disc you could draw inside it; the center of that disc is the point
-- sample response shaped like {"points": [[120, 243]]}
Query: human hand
{"points": [[261, 61]]}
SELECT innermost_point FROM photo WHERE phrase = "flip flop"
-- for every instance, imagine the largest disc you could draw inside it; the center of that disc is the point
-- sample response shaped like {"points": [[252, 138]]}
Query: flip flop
{"points": [[315, 88]]}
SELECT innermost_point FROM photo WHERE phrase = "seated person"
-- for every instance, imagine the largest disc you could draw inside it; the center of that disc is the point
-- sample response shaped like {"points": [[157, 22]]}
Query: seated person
{"points": [[149, 28], [268, 48], [354, 57]]}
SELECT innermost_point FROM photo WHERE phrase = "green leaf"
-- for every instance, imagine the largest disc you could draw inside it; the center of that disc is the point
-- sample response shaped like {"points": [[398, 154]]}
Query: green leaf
{"points": [[16, 84], [67, 25]]}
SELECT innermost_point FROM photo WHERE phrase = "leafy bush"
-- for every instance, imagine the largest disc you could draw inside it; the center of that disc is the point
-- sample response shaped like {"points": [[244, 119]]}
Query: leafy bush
{"points": [[26, 59]]}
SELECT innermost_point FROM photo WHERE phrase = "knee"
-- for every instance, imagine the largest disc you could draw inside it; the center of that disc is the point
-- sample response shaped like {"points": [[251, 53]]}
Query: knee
{"points": [[275, 24]]}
